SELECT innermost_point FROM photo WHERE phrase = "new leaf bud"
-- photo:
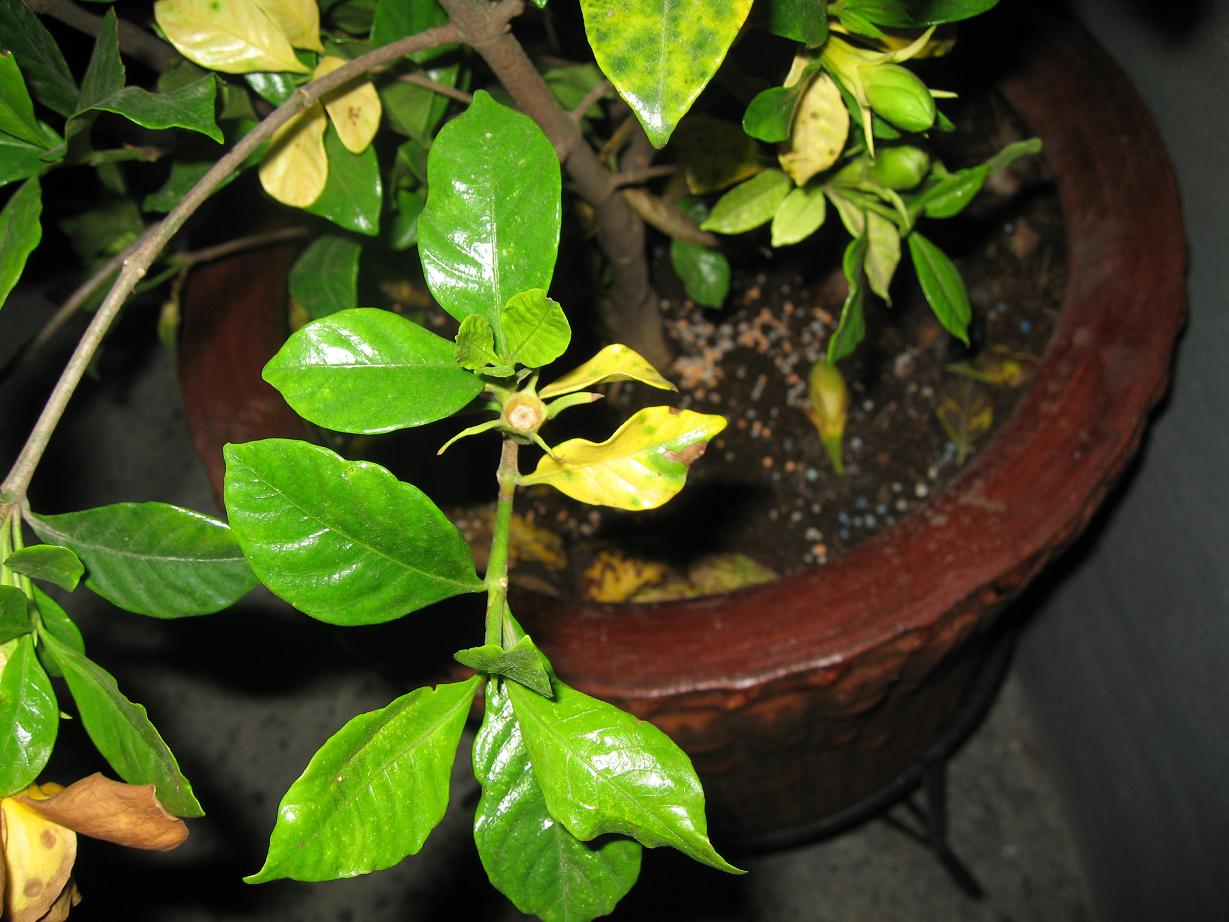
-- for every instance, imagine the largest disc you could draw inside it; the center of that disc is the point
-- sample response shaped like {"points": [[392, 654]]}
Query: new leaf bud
{"points": [[829, 409]]}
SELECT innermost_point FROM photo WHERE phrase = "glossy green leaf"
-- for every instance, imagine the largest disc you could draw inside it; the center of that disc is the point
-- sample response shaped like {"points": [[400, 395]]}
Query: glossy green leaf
{"points": [[14, 614], [803, 21], [46, 72], [749, 204], [367, 370], [660, 54], [324, 278], [19, 160], [952, 193], [29, 717], [851, 328], [490, 229], [342, 541], [641, 466], [353, 194], [799, 215], [190, 107], [856, 24], [16, 108], [153, 558], [521, 663], [942, 286], [529, 856], [121, 730], [906, 14], [51, 563], [603, 770], [615, 362], [475, 345], [395, 19], [232, 36], [770, 114], [373, 792], [882, 253], [56, 622], [705, 272], [21, 230], [403, 229], [536, 331]]}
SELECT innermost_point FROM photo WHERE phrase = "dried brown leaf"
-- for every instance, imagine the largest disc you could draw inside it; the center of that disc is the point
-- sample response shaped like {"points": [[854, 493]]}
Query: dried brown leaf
{"points": [[126, 814]]}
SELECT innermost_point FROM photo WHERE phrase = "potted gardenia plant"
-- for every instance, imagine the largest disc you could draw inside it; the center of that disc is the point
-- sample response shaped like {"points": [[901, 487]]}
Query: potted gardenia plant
{"points": [[301, 93]]}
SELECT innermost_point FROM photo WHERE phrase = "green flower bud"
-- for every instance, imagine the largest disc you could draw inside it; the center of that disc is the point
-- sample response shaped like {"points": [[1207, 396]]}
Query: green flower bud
{"points": [[829, 409], [899, 95], [899, 168]]}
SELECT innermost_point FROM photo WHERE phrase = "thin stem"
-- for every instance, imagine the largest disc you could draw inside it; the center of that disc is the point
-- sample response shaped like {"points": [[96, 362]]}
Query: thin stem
{"points": [[436, 87], [156, 237], [636, 177], [133, 40], [238, 245], [497, 565], [589, 99]]}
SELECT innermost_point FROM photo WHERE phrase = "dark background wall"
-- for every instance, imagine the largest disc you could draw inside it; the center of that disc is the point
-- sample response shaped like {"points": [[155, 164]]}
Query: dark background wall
{"points": [[1126, 662]]}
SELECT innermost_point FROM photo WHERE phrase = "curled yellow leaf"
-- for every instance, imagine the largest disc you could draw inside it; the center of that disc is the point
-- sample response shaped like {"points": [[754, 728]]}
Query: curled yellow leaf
{"points": [[295, 167], [355, 112], [231, 36], [616, 362], [299, 21], [818, 133], [38, 859]]}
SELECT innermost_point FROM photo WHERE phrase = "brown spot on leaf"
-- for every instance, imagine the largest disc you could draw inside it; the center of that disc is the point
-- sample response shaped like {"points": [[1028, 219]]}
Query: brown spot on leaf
{"points": [[32, 888], [47, 837], [688, 454]]}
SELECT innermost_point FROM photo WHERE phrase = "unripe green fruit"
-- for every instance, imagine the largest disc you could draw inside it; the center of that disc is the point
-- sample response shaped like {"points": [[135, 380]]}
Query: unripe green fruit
{"points": [[899, 168], [899, 95]]}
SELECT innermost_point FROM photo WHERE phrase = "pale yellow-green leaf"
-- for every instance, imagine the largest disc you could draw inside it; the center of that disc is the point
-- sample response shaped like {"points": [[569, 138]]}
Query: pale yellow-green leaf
{"points": [[355, 112], [299, 21], [641, 466], [853, 217], [232, 36], [295, 168], [819, 132], [800, 215], [882, 253], [616, 362]]}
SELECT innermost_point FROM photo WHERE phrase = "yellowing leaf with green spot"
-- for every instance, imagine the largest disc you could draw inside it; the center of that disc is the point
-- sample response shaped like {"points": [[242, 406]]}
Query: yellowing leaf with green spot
{"points": [[295, 168], [299, 20], [616, 362], [660, 54], [820, 129], [233, 36], [641, 466], [355, 112]]}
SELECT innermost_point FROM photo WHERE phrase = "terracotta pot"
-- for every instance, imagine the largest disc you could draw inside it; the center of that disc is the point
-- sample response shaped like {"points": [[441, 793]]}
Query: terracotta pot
{"points": [[803, 697]]}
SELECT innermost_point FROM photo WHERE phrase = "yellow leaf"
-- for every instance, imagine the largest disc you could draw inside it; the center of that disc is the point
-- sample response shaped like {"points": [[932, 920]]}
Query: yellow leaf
{"points": [[233, 36], [126, 814], [615, 577], [715, 573], [355, 112], [641, 466], [299, 21], [614, 363], [38, 858], [295, 167], [882, 253], [819, 131]]}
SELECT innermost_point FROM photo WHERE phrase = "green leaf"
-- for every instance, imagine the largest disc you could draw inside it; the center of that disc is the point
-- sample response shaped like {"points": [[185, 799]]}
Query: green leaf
{"points": [[403, 230], [803, 21], [121, 730], [16, 109], [39, 57], [800, 214], [851, 328], [232, 36], [416, 111], [882, 253], [770, 113], [29, 717], [705, 272], [153, 558], [952, 193], [342, 541], [942, 285], [104, 229], [190, 107], [367, 370], [105, 73], [641, 466], [522, 663], [615, 362], [536, 332], [603, 770], [857, 24], [571, 84], [183, 176], [19, 160], [660, 54], [916, 14], [396, 19], [21, 230], [475, 344], [47, 562], [353, 194], [14, 614], [373, 792], [57, 623], [529, 856], [749, 204], [324, 279], [490, 228]]}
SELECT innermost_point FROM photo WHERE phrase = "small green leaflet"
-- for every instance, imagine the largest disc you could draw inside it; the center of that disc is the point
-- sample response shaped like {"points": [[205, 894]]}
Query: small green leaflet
{"points": [[324, 278], [475, 347], [521, 663], [603, 770], [942, 285], [14, 615], [29, 718], [800, 214], [121, 730], [47, 562], [851, 328], [368, 371], [528, 855], [916, 14], [705, 271], [353, 194], [771, 112], [342, 541], [39, 56], [803, 21], [536, 332], [373, 792], [153, 558], [749, 204], [952, 193], [21, 230]]}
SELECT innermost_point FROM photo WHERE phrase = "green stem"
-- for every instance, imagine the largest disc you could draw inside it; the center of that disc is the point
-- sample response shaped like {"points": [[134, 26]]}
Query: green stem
{"points": [[497, 565]]}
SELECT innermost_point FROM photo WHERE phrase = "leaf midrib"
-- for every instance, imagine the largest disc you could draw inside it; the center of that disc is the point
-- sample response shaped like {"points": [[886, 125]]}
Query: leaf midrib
{"points": [[112, 550]]}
